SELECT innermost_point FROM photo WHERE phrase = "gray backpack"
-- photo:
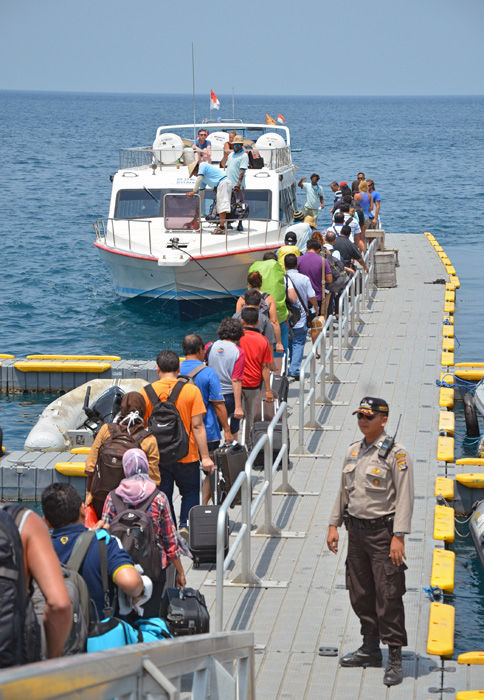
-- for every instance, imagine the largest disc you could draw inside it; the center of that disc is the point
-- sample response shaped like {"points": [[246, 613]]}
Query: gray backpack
{"points": [[78, 594]]}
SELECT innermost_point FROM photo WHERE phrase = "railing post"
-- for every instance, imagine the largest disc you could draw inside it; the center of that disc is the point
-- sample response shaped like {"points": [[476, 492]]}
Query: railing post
{"points": [[285, 487], [301, 449], [268, 528]]}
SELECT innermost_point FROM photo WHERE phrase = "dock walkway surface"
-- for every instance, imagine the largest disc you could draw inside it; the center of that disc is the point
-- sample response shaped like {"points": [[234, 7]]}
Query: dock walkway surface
{"points": [[397, 357]]}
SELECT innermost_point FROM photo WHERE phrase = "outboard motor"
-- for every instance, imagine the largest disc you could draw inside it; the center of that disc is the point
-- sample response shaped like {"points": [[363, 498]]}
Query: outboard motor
{"points": [[104, 409]]}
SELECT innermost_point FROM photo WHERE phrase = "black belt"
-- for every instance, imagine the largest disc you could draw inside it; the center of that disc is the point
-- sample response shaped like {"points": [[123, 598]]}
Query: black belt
{"points": [[374, 524]]}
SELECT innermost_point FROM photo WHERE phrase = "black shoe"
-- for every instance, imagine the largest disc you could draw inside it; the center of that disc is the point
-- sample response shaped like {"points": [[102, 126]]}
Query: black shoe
{"points": [[294, 376], [369, 654], [239, 226], [394, 671]]}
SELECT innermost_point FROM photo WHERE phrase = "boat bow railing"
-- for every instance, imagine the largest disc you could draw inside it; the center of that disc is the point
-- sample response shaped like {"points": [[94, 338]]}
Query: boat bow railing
{"points": [[141, 236]]}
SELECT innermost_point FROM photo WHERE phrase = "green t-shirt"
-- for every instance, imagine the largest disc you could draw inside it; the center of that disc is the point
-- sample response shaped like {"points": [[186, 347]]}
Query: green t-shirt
{"points": [[273, 283]]}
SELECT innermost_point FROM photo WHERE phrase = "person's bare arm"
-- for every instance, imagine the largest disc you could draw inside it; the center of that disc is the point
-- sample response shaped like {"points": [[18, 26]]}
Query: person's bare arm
{"points": [[275, 323], [292, 295], [180, 578], [43, 565], [223, 419], [240, 304], [266, 378], [363, 264], [299, 184], [237, 389], [129, 581], [314, 303], [200, 435], [377, 210], [321, 199]]}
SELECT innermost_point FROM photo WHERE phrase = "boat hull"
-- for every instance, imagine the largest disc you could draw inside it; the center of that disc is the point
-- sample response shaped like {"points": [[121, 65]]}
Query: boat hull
{"points": [[195, 289]]}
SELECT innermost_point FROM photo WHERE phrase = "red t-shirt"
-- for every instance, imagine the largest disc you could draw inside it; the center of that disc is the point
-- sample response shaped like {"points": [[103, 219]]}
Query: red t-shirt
{"points": [[257, 351]]}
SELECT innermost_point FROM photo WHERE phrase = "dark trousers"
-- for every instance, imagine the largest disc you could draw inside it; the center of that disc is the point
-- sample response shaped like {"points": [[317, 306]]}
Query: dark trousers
{"points": [[376, 585], [187, 478]]}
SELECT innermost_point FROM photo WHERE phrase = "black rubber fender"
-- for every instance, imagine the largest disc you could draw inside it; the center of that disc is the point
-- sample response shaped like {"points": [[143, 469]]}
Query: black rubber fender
{"points": [[470, 413]]}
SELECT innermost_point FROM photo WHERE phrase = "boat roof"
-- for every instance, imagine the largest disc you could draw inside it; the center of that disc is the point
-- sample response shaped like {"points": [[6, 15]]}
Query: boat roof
{"points": [[229, 125]]}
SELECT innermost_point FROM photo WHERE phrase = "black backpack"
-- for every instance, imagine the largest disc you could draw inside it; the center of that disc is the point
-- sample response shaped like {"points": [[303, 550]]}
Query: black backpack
{"points": [[340, 278], [167, 426], [20, 639], [109, 472], [135, 527]]}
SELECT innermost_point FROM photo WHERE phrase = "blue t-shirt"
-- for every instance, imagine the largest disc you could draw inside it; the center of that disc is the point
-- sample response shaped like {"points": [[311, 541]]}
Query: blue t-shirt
{"points": [[211, 175], [209, 384], [235, 163], [64, 539], [376, 198], [204, 145]]}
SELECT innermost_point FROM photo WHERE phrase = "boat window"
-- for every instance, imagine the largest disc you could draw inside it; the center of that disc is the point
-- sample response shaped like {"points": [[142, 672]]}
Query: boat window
{"points": [[259, 201], [138, 204], [287, 198], [182, 213]]}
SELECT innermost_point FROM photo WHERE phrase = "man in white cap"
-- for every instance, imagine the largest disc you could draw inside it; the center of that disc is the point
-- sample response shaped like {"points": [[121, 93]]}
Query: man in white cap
{"points": [[208, 174], [237, 164]]}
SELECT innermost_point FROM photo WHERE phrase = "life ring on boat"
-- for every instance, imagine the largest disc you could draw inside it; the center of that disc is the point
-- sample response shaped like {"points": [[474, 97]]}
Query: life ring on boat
{"points": [[470, 413]]}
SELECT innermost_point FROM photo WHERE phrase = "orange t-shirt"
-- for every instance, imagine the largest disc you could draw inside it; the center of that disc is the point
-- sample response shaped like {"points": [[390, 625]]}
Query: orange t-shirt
{"points": [[189, 403]]}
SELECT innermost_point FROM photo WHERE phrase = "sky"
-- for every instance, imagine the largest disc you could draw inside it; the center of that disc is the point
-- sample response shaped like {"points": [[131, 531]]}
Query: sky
{"points": [[380, 47]]}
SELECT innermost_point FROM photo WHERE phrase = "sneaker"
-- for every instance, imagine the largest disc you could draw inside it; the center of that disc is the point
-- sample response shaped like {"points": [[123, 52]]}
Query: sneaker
{"points": [[184, 533]]}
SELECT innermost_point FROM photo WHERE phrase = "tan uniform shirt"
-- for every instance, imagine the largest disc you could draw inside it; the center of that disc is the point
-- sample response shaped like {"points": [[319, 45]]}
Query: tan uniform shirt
{"points": [[372, 486]]}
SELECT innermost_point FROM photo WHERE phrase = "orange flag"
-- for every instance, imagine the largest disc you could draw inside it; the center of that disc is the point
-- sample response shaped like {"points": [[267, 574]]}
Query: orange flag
{"points": [[270, 120]]}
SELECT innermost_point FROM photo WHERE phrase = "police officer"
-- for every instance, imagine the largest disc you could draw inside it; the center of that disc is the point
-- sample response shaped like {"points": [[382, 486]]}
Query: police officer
{"points": [[375, 500]]}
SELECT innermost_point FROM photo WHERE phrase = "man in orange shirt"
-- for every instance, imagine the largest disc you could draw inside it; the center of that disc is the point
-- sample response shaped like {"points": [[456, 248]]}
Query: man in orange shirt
{"points": [[185, 473]]}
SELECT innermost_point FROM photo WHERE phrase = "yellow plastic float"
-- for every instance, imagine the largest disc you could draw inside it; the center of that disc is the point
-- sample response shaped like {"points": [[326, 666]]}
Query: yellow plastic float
{"points": [[470, 695], [48, 366], [106, 358], [444, 487], [446, 397], [443, 570], [472, 481], [80, 450], [444, 523], [474, 373], [445, 448], [470, 461], [447, 422], [447, 359], [71, 468], [448, 344], [440, 641], [471, 657], [455, 281], [448, 321], [6, 356], [450, 269], [449, 307], [450, 296]]}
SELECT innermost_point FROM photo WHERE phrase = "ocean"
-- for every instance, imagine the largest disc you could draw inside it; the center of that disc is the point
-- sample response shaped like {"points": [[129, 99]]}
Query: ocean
{"points": [[58, 150]]}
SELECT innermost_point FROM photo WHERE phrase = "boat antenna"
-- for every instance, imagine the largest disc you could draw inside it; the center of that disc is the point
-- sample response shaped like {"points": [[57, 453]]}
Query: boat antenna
{"points": [[193, 81], [233, 104]]}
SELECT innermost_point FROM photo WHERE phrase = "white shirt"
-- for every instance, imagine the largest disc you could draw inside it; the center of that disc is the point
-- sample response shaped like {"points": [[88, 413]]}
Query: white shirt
{"points": [[303, 232], [303, 285]]}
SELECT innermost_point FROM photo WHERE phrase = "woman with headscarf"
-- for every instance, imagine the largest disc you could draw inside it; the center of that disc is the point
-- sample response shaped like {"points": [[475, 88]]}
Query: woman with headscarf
{"points": [[131, 422], [134, 490]]}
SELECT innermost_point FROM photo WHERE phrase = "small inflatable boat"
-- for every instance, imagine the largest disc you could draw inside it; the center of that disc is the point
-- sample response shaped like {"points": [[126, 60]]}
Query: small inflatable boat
{"points": [[479, 397], [476, 527], [74, 419]]}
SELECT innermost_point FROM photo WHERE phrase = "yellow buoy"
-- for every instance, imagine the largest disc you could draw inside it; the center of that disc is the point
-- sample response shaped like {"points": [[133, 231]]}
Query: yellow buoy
{"points": [[472, 481], [471, 657], [448, 344], [443, 570], [446, 397], [71, 468], [59, 366], [470, 461], [447, 359], [106, 358], [455, 281], [447, 422], [440, 640], [444, 487], [80, 450], [444, 523]]}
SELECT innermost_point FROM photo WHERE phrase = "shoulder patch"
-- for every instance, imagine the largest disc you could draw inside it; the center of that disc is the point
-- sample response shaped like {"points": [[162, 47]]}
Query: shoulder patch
{"points": [[401, 458], [64, 539]]}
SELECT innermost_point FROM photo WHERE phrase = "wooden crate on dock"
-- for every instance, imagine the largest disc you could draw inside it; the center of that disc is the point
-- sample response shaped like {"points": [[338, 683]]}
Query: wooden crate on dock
{"points": [[385, 264], [377, 234]]}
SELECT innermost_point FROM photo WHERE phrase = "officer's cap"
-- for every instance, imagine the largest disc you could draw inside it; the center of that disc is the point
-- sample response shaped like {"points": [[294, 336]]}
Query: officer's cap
{"points": [[371, 405]]}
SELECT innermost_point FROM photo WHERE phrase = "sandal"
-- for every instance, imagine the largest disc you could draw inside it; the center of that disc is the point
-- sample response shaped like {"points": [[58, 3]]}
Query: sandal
{"points": [[219, 232]]}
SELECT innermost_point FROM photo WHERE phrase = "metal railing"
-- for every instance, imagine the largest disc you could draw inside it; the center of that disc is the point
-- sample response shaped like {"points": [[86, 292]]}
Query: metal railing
{"points": [[324, 347], [149, 157], [248, 510], [221, 666], [120, 233]]}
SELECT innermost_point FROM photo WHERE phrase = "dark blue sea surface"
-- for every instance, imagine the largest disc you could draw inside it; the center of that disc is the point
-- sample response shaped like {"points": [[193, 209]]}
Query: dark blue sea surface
{"points": [[58, 150]]}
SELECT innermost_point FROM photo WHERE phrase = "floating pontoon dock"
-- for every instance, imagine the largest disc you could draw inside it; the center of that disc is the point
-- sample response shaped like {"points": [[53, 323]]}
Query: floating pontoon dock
{"points": [[302, 604]]}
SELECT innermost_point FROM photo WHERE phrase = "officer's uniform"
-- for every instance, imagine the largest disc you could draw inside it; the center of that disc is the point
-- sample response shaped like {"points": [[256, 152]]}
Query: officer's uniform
{"points": [[378, 493]]}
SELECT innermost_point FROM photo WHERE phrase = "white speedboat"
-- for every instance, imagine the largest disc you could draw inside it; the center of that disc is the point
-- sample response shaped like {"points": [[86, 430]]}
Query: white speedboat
{"points": [[157, 242]]}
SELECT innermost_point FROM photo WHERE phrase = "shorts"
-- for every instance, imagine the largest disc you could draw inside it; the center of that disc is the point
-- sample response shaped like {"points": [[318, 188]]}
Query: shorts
{"points": [[368, 221], [224, 195]]}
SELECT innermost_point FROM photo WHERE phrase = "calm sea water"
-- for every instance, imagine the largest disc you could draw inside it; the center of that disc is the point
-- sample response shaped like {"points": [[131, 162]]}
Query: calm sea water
{"points": [[58, 150]]}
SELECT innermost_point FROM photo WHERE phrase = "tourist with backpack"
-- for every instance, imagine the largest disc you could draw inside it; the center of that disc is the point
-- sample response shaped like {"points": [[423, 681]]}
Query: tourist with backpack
{"points": [[174, 414], [140, 517], [63, 511], [104, 468], [27, 555]]}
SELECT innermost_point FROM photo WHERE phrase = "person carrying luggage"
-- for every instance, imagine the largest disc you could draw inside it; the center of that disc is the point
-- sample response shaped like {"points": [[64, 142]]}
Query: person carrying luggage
{"points": [[140, 516], [104, 468]]}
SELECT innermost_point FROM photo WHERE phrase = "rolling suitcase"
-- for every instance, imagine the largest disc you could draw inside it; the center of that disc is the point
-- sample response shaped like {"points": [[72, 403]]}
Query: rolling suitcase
{"points": [[230, 461], [259, 429], [185, 611], [202, 531]]}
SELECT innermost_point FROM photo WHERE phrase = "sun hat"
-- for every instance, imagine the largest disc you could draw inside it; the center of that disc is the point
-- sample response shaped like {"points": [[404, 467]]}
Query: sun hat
{"points": [[238, 139], [191, 168], [310, 220]]}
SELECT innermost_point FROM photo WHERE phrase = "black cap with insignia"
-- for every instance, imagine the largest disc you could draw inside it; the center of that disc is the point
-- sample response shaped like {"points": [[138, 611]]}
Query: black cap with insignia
{"points": [[371, 405]]}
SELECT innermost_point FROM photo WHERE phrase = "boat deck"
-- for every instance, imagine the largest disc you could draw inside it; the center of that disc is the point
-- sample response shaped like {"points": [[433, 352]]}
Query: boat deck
{"points": [[397, 356]]}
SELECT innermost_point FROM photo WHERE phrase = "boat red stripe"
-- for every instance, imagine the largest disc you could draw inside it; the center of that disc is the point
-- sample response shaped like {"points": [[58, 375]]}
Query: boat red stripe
{"points": [[197, 257]]}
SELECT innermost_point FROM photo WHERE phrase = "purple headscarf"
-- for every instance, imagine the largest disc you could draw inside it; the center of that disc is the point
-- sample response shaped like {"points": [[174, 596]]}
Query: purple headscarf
{"points": [[137, 486]]}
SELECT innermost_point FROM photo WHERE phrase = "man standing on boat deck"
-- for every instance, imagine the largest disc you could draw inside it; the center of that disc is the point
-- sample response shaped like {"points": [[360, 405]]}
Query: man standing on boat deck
{"points": [[375, 501], [208, 174], [203, 147], [237, 164], [314, 196]]}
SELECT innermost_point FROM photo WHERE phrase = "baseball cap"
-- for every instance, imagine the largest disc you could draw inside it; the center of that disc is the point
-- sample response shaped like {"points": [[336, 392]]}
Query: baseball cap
{"points": [[290, 237], [370, 405]]}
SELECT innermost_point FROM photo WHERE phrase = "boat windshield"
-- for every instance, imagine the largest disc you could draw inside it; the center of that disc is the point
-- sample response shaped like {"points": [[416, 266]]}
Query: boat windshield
{"points": [[143, 204]]}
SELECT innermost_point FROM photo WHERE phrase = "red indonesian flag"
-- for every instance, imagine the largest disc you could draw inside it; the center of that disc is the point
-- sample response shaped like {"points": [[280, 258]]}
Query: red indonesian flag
{"points": [[214, 102], [281, 119]]}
